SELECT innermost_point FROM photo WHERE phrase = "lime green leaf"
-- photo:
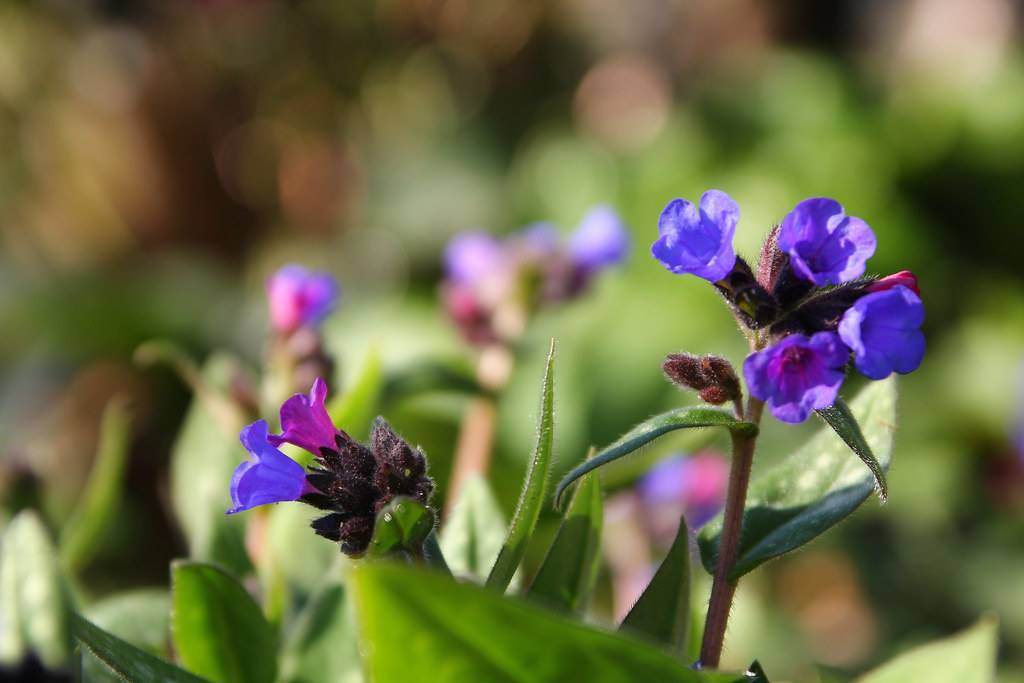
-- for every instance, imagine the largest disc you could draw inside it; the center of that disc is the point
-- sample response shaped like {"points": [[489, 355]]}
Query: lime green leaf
{"points": [[355, 409], [567, 575], [968, 657], [127, 661], [401, 527], [524, 519], [81, 536], [811, 490], [663, 611], [649, 430], [472, 535], [420, 626], [219, 632], [845, 425], [34, 606], [141, 617]]}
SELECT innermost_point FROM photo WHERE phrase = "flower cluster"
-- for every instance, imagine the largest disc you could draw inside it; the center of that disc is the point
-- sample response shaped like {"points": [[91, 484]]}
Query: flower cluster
{"points": [[808, 307], [348, 480], [492, 285]]}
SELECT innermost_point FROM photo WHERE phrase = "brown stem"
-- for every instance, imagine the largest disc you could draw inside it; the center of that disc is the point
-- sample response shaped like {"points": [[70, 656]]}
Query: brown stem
{"points": [[723, 589]]}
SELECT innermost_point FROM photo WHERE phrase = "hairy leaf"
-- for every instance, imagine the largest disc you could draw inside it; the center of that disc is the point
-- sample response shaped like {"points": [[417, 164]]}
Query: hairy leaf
{"points": [[128, 662]]}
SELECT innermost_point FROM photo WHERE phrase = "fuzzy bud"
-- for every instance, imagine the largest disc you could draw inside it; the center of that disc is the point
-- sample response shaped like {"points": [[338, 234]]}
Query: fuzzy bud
{"points": [[685, 370]]}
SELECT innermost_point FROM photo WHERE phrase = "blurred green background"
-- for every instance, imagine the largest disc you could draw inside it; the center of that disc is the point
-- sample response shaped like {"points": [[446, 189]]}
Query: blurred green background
{"points": [[161, 159]]}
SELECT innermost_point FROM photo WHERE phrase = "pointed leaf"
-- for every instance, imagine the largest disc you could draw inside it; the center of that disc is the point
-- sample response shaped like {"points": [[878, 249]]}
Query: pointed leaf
{"points": [[649, 430], [401, 527], [472, 536], [219, 632], [142, 617], [524, 519], [567, 575], [811, 490], [84, 530], [418, 626], [967, 657], [127, 661], [663, 611], [34, 606], [845, 424]]}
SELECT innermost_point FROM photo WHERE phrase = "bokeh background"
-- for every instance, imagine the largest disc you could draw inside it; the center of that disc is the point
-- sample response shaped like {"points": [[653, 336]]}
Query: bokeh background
{"points": [[159, 160]]}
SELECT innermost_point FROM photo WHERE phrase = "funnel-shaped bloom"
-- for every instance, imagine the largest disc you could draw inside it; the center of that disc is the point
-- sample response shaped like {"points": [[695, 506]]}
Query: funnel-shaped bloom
{"points": [[884, 331], [300, 298], [305, 421], [698, 241], [798, 374], [600, 240], [825, 246], [269, 477]]}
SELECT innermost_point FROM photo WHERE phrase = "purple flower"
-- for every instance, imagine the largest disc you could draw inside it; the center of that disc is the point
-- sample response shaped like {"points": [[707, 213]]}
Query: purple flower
{"points": [[884, 331], [696, 484], [825, 246], [600, 240], [798, 374], [269, 477], [300, 298], [306, 423], [695, 241], [470, 256]]}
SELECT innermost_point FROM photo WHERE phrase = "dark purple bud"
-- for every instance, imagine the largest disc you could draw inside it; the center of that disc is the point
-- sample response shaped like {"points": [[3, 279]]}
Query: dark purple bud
{"points": [[904, 277], [356, 534], [715, 395], [723, 384], [821, 311], [685, 370], [329, 526]]}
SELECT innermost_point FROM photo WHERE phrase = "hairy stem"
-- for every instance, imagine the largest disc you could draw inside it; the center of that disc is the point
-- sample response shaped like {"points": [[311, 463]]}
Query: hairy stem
{"points": [[722, 589]]}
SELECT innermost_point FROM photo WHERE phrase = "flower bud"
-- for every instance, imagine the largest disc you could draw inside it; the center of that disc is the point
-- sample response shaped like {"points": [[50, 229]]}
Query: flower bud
{"points": [[904, 277], [685, 370]]}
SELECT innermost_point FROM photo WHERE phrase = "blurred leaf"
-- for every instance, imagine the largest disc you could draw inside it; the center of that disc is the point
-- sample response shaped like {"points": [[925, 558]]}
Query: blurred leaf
{"points": [[203, 459], [141, 617], [651, 429], [401, 527], [34, 609], [663, 611], [968, 657], [472, 535], [127, 661], [567, 575], [433, 554], [320, 646], [299, 557], [81, 536], [426, 376], [354, 410], [418, 626], [219, 631], [845, 424], [755, 674], [811, 490], [524, 519]]}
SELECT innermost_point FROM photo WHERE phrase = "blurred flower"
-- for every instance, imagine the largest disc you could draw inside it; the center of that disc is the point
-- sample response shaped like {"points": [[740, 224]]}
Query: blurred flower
{"points": [[825, 246], [300, 298], [884, 331], [904, 277], [270, 477], [694, 485], [600, 240], [471, 256], [698, 242], [305, 421], [798, 374]]}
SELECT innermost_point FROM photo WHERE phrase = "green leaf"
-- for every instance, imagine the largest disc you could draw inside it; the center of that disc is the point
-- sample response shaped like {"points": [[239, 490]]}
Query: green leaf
{"points": [[203, 459], [422, 626], [219, 632], [34, 609], [321, 643], [524, 519], [81, 536], [472, 536], [968, 657], [839, 418], [811, 490], [663, 611], [141, 617], [426, 376], [567, 575], [401, 527], [127, 661], [649, 430], [355, 409]]}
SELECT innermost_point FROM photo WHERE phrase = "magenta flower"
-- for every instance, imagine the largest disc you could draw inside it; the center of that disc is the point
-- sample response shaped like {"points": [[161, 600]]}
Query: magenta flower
{"points": [[300, 298], [904, 277], [798, 374], [825, 246], [698, 241], [600, 240], [884, 331], [470, 256], [269, 477], [306, 423]]}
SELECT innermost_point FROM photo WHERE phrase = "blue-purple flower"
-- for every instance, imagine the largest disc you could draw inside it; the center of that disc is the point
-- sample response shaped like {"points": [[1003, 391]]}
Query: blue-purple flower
{"points": [[601, 240], [470, 256], [798, 374], [825, 246], [884, 331], [300, 298], [269, 477], [305, 421], [696, 484], [698, 241]]}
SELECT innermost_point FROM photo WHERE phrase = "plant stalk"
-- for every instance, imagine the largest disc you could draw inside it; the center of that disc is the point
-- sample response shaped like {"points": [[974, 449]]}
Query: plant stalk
{"points": [[722, 588]]}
